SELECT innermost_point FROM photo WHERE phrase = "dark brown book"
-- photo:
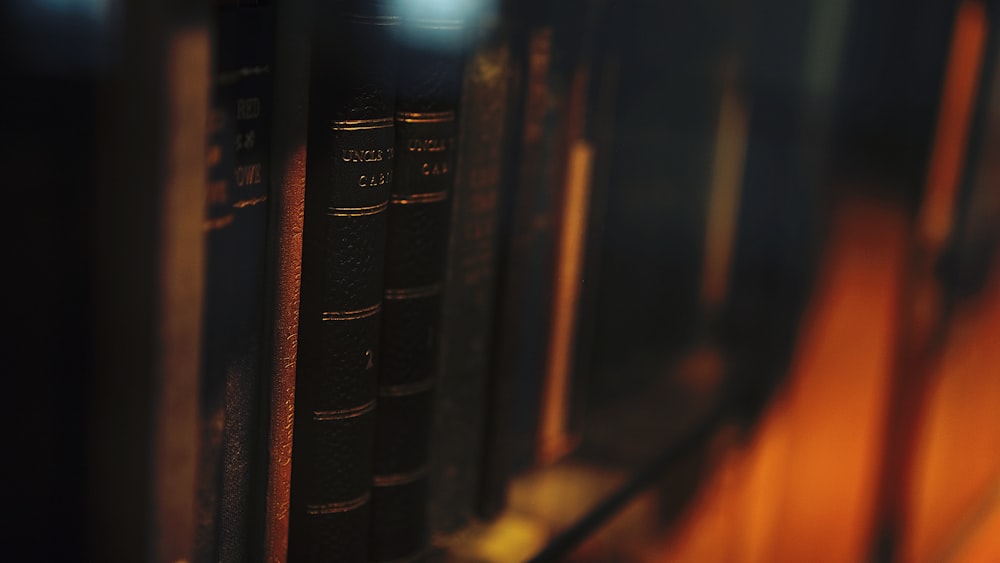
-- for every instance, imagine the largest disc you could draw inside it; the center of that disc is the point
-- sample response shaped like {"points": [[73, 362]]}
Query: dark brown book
{"points": [[349, 175], [429, 47], [231, 459], [148, 285], [460, 394], [533, 322], [287, 204]]}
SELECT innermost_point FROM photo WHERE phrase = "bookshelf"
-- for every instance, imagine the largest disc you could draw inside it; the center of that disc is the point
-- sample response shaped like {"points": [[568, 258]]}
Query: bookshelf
{"points": [[497, 281]]}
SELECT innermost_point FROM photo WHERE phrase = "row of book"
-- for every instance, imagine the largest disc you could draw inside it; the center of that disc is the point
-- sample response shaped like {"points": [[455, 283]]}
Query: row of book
{"points": [[324, 274], [359, 219]]}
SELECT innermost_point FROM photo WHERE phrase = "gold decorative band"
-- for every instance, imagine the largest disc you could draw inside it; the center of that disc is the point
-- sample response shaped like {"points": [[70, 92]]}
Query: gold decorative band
{"points": [[338, 507], [413, 292], [344, 414], [217, 223], [357, 211], [361, 124], [438, 24], [234, 75], [352, 315], [429, 197], [249, 202], [399, 478], [425, 116], [406, 389]]}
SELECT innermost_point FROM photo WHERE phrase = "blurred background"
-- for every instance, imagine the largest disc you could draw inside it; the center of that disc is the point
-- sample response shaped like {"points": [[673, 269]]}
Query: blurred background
{"points": [[788, 342]]}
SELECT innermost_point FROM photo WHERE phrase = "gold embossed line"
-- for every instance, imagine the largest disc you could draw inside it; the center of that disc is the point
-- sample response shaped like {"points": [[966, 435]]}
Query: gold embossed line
{"points": [[357, 211], [413, 292], [250, 202], [361, 124], [406, 389], [437, 24], [344, 414], [425, 116], [397, 479], [352, 315], [234, 75], [338, 507], [414, 199], [217, 223]]}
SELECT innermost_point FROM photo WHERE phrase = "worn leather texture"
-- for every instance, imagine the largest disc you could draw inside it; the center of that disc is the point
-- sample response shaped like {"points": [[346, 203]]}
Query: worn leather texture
{"points": [[420, 207], [230, 492], [351, 141], [460, 397]]}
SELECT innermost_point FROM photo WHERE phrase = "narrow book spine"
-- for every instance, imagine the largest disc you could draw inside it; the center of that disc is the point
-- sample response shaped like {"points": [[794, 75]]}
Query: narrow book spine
{"points": [[235, 229], [525, 317], [349, 174], [470, 285], [419, 210], [288, 176]]}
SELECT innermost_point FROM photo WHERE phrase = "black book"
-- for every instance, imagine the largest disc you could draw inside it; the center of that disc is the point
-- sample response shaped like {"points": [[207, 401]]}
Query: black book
{"points": [[460, 395], [417, 242], [349, 174], [235, 227]]}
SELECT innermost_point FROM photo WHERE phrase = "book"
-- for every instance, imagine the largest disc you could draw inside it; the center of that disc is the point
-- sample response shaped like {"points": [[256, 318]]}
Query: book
{"points": [[349, 174], [429, 46], [149, 278], [524, 297], [563, 387], [230, 459], [287, 204], [541, 249], [468, 314]]}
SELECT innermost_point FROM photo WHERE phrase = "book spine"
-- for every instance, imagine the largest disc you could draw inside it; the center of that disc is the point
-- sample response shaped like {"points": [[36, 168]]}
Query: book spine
{"points": [[501, 392], [148, 287], [288, 176], [419, 210], [525, 323], [563, 390], [470, 285], [235, 226], [349, 173]]}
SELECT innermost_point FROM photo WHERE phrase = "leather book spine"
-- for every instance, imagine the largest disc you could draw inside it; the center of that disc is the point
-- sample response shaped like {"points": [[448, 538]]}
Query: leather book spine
{"points": [[417, 242], [235, 230], [525, 312], [563, 389], [288, 178], [470, 284], [501, 392], [349, 174]]}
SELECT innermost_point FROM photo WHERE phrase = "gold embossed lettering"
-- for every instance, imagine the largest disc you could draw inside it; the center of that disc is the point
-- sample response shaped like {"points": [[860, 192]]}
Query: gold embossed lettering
{"points": [[248, 175], [375, 180], [247, 108], [367, 155], [434, 168], [430, 145]]}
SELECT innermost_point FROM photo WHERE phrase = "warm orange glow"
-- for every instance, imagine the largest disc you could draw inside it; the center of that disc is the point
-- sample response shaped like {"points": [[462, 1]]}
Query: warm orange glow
{"points": [[554, 432], [291, 208], [803, 487], [957, 459], [947, 156], [554, 435]]}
